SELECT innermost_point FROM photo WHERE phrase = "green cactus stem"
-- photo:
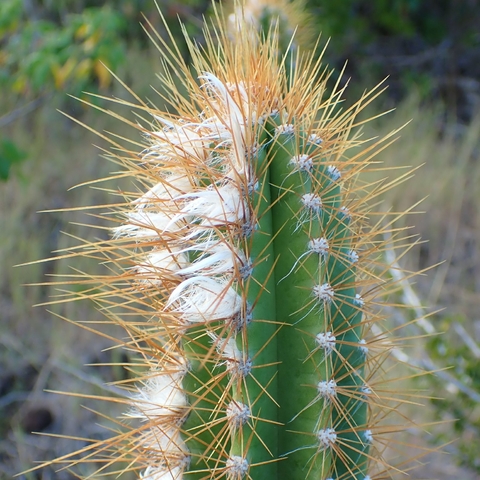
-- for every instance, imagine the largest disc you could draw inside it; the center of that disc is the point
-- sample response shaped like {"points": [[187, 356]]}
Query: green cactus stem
{"points": [[242, 266]]}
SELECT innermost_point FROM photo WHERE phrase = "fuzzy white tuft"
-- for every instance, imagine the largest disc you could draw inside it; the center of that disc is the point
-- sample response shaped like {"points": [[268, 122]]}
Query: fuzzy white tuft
{"points": [[327, 389], [170, 188], [237, 364], [161, 395], [213, 207], [237, 414], [345, 213], [333, 173], [366, 390], [237, 467], [203, 299], [217, 258], [142, 224], [188, 141], [324, 293], [358, 301], [363, 346], [161, 473], [158, 263], [353, 256], [319, 245], [326, 341], [326, 438], [311, 201], [286, 129], [302, 162], [368, 436], [314, 139], [233, 116]]}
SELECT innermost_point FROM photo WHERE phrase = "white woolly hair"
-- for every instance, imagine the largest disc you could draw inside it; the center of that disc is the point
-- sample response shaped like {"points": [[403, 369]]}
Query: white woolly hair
{"points": [[142, 224], [163, 443], [229, 350], [168, 455], [232, 117], [159, 262], [212, 207], [203, 299], [218, 258], [186, 141], [171, 186], [160, 473], [161, 395], [191, 214]]}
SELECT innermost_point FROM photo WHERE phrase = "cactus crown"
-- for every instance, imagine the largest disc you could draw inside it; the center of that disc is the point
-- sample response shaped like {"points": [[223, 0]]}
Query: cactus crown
{"points": [[244, 271]]}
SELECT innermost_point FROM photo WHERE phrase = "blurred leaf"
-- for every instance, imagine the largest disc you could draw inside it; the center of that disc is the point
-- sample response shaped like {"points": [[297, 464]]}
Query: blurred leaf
{"points": [[9, 155], [102, 73], [83, 69], [62, 72], [10, 15], [60, 50]]}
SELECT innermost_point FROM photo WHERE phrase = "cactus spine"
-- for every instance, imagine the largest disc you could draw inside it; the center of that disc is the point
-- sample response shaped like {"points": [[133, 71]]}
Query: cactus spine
{"points": [[245, 254]]}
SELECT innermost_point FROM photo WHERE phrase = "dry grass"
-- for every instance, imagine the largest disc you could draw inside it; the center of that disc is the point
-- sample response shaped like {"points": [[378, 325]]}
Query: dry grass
{"points": [[448, 154], [43, 352], [39, 351]]}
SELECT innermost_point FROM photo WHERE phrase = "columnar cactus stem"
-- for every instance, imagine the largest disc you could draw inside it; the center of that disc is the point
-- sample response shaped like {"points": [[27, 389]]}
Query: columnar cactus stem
{"points": [[247, 252], [302, 302]]}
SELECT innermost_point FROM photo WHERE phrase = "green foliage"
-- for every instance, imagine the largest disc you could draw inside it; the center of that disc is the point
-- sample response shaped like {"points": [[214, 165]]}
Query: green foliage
{"points": [[10, 154], [460, 400], [365, 21], [407, 41], [70, 45], [65, 44], [67, 52]]}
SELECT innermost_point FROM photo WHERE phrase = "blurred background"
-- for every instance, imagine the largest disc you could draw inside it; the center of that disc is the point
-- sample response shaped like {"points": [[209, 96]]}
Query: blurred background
{"points": [[50, 49]]}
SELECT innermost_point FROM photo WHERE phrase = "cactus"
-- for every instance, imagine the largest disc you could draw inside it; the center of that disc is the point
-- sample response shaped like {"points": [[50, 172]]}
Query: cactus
{"points": [[244, 273]]}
